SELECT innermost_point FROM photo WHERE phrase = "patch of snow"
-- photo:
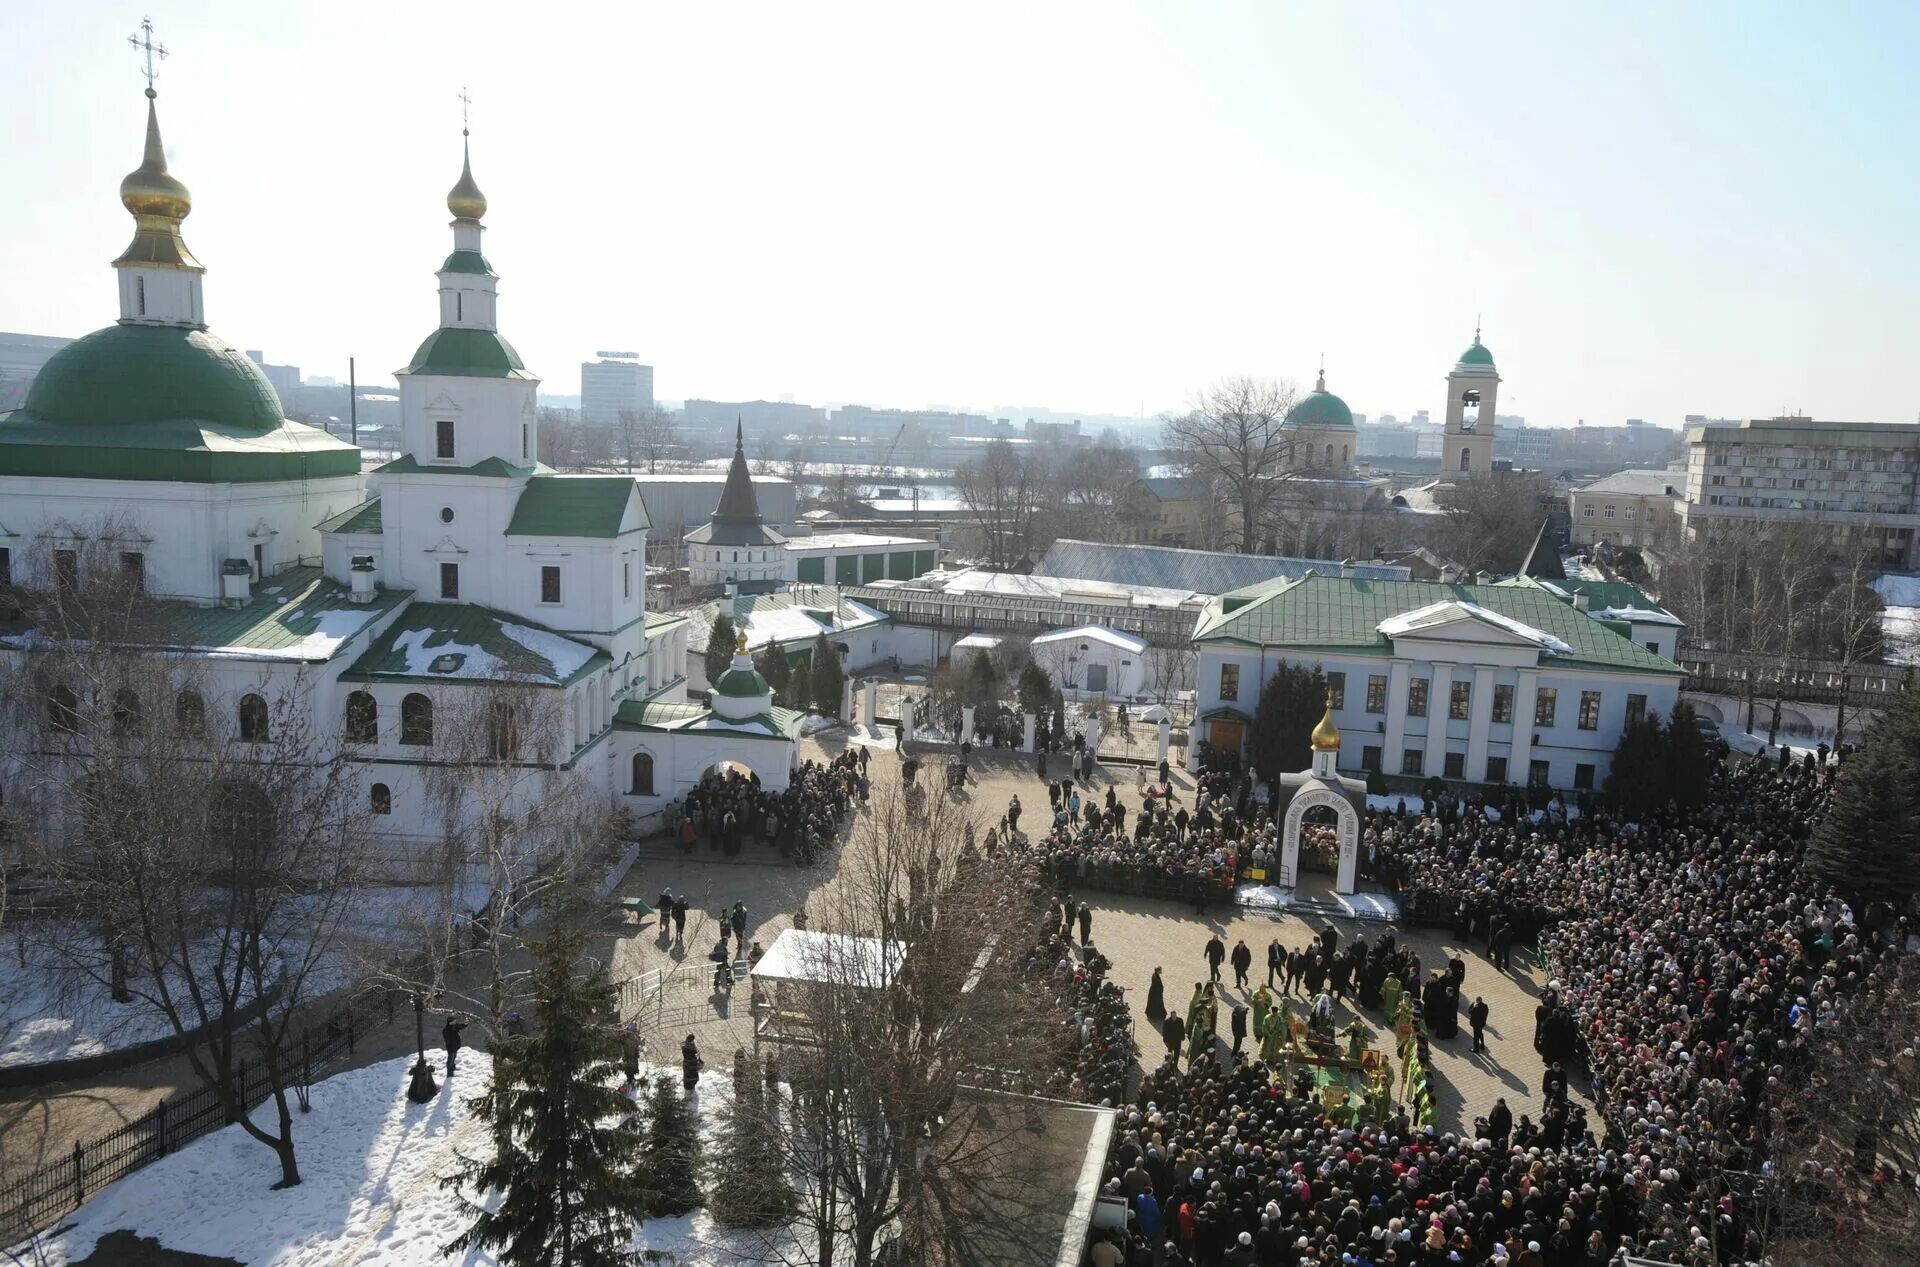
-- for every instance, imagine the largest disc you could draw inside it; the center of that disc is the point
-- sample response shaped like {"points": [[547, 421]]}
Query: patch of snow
{"points": [[814, 723], [1898, 591], [564, 654], [1411, 622], [1749, 744], [370, 1195], [1094, 633], [1637, 615]]}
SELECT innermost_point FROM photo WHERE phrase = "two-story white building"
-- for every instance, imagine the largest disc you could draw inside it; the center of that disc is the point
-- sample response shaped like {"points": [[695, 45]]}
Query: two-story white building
{"points": [[1522, 682]]}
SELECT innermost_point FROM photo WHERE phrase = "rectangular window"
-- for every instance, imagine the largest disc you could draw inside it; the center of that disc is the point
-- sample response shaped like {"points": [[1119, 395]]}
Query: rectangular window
{"points": [[1546, 701], [550, 584], [523, 439], [1456, 765], [1609, 512], [1229, 681], [1376, 692], [1337, 689], [1636, 709], [449, 580], [1503, 703], [260, 562], [1583, 777], [1460, 701], [443, 438], [1538, 774], [626, 580], [1589, 710], [1370, 757], [66, 570], [1417, 697], [1654, 647], [133, 570], [1586, 511], [1411, 760], [1496, 769]]}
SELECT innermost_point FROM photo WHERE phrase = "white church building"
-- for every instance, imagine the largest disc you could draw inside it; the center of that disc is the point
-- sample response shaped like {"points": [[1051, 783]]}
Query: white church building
{"points": [[459, 578]]}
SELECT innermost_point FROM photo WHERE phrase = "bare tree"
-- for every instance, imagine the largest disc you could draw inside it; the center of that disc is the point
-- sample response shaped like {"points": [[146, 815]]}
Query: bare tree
{"points": [[1003, 488], [1091, 486], [203, 835], [1170, 671], [1491, 521], [1233, 436], [646, 436]]}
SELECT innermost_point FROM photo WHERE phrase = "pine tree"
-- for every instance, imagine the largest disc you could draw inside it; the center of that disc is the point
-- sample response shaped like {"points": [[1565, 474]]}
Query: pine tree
{"points": [[774, 666], [721, 640], [829, 680], [670, 1171], [1688, 763], [1291, 704], [566, 1160], [800, 685], [1640, 779], [1868, 843], [1035, 690], [746, 1184]]}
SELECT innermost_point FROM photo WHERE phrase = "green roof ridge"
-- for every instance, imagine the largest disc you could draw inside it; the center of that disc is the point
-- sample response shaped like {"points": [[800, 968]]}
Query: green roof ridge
{"points": [[573, 506], [467, 352]]}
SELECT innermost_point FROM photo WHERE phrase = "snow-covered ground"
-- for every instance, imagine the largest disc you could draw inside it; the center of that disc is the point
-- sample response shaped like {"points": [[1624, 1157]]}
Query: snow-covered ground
{"points": [[1900, 621], [1757, 746], [370, 1162]]}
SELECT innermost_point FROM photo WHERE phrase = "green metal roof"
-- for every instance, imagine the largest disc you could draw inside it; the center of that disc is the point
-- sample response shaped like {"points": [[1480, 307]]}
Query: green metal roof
{"points": [[297, 614], [742, 684], [775, 723], [467, 262], [364, 518], [477, 644], [1320, 409], [662, 620], [1477, 354], [1328, 613], [495, 468], [470, 353], [573, 506], [177, 450], [138, 373]]}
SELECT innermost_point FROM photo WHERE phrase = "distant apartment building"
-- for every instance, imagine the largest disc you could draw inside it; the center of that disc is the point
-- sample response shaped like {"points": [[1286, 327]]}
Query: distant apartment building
{"points": [[284, 378], [759, 417], [1166, 511], [615, 385], [1858, 481], [21, 356], [1627, 508]]}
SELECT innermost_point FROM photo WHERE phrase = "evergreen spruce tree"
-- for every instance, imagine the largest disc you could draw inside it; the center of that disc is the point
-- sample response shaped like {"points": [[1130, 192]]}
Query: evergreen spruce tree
{"points": [[1689, 765], [829, 680], [984, 684], [1868, 843], [1641, 774], [566, 1160], [1035, 690], [720, 646], [800, 685], [746, 1184], [1291, 705], [670, 1171], [774, 666]]}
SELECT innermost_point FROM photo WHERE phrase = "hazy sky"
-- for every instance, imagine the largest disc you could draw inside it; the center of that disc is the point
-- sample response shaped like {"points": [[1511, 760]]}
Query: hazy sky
{"points": [[1660, 209]]}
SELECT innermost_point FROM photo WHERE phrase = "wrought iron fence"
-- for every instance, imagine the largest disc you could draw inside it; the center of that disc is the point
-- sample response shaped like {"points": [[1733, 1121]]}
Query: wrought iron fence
{"points": [[36, 1200]]}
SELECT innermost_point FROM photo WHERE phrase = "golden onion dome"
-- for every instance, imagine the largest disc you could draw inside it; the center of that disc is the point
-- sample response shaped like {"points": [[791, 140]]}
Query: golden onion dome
{"points": [[149, 189], [465, 200], [1326, 735]]}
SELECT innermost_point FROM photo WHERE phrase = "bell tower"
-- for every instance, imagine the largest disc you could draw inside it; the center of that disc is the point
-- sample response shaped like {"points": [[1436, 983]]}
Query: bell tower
{"points": [[1473, 388]]}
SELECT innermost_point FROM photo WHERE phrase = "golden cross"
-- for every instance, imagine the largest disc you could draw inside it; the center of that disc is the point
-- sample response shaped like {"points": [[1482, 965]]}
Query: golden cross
{"points": [[144, 42]]}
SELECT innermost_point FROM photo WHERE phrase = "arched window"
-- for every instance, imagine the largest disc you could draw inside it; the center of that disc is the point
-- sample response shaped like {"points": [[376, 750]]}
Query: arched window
{"points": [[363, 718], [642, 775], [1343, 455], [1466, 459], [127, 717], [63, 708], [190, 713], [253, 719], [381, 799], [503, 732], [1329, 455], [416, 720]]}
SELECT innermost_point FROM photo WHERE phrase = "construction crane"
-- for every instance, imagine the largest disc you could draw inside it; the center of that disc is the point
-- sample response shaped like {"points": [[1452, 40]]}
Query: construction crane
{"points": [[913, 481]]}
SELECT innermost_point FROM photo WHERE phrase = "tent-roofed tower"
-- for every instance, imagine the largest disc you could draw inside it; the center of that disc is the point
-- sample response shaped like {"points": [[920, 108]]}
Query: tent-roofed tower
{"points": [[735, 546]]}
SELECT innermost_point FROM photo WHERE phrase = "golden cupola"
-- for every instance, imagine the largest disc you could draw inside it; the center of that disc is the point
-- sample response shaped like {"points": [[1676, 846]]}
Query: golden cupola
{"points": [[465, 200], [1326, 735], [158, 202]]}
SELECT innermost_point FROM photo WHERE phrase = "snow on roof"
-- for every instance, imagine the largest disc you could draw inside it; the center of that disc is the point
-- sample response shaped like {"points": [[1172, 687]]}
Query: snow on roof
{"points": [[1637, 482], [830, 959], [977, 642], [1898, 591], [925, 506], [1637, 615], [978, 581], [851, 540], [1097, 633], [1422, 618]]}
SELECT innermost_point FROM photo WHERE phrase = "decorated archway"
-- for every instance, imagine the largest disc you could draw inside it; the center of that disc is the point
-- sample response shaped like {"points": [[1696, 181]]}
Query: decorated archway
{"points": [[1318, 796]]}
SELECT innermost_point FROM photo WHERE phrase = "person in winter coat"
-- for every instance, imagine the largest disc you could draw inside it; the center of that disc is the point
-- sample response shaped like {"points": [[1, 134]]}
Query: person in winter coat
{"points": [[1156, 998], [1242, 962], [1174, 1031], [1216, 954]]}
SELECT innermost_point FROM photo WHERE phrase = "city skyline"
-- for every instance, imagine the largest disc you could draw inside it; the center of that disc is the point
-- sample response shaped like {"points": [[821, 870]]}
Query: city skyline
{"points": [[1103, 210]]}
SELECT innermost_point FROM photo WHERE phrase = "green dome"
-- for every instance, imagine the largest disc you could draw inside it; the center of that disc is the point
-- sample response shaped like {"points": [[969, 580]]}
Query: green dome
{"points": [[1477, 355], [465, 351], [139, 373], [1321, 408], [742, 683]]}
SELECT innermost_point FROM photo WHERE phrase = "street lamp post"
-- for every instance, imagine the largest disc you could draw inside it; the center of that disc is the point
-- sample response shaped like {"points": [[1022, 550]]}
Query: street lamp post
{"points": [[422, 1088]]}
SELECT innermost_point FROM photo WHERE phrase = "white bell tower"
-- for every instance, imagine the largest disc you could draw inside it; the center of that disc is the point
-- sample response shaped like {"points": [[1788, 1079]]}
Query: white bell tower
{"points": [[1473, 389]]}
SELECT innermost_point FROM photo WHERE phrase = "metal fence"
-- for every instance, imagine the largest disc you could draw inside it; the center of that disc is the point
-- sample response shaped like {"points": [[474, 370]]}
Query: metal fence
{"points": [[37, 1200], [666, 999]]}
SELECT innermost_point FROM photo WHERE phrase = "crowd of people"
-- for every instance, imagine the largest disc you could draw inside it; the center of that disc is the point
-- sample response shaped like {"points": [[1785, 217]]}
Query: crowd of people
{"points": [[729, 807], [1690, 963], [1096, 1043]]}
